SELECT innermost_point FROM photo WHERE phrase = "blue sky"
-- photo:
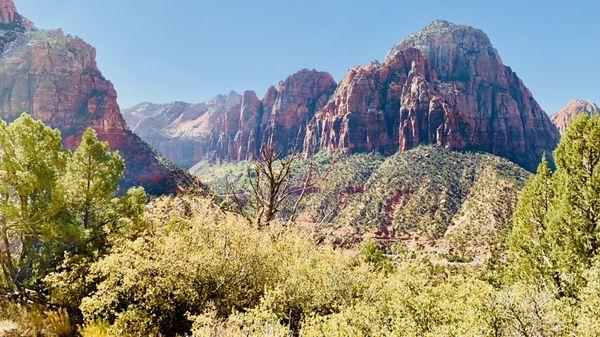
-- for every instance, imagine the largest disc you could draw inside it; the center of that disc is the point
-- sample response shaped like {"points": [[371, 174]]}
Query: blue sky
{"points": [[191, 50]]}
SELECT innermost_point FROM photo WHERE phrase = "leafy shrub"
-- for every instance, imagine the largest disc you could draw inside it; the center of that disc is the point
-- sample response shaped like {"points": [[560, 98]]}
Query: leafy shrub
{"points": [[95, 329], [588, 318], [194, 257], [255, 323], [412, 303]]}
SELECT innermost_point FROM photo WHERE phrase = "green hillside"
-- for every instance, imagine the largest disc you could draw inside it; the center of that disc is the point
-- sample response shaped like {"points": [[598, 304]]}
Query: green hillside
{"points": [[459, 202]]}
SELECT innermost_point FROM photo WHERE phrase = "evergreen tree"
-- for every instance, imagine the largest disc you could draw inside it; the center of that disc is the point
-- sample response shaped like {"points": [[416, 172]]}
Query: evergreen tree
{"points": [[91, 183], [31, 219], [529, 237], [54, 203], [556, 233]]}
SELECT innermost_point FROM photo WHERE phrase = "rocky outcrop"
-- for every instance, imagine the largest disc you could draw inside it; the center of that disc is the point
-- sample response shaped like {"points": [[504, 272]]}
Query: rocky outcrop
{"points": [[445, 85], [299, 97], [235, 127], [179, 129], [8, 10], [11, 23], [574, 108], [54, 77], [281, 117]]}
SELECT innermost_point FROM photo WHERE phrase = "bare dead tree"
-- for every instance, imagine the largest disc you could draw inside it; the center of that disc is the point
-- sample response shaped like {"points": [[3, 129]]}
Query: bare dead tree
{"points": [[271, 188]]}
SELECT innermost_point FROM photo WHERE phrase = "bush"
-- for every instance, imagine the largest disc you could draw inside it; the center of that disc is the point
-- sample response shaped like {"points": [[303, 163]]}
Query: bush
{"points": [[412, 303], [194, 257], [95, 329], [256, 323]]}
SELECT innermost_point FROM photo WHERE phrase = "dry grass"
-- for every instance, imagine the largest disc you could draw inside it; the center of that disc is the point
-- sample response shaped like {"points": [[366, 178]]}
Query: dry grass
{"points": [[26, 321]]}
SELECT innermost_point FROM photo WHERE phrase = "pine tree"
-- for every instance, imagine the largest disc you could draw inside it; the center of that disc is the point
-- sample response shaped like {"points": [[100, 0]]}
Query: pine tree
{"points": [[31, 159], [91, 182], [556, 234], [529, 237], [54, 203]]}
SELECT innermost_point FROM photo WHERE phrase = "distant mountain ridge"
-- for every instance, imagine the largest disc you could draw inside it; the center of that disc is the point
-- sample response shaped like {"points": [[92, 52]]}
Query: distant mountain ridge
{"points": [[54, 77], [445, 85], [234, 127], [575, 107], [177, 129]]}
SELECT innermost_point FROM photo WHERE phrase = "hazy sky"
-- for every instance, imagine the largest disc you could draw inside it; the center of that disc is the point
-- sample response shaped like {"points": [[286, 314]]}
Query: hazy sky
{"points": [[191, 50]]}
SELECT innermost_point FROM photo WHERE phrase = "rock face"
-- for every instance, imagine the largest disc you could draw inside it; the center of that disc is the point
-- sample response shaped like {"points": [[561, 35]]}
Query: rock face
{"points": [[445, 85], [281, 116], [575, 107], [54, 77], [234, 127], [177, 129]]}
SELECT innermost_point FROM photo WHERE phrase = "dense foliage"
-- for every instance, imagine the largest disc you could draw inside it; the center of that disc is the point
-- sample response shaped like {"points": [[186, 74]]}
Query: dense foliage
{"points": [[185, 266], [556, 237], [55, 205]]}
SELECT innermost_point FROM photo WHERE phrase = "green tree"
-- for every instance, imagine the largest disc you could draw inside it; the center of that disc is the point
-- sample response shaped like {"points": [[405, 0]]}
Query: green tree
{"points": [[90, 185], [57, 208], [529, 237], [556, 234], [91, 182], [31, 219], [578, 190]]}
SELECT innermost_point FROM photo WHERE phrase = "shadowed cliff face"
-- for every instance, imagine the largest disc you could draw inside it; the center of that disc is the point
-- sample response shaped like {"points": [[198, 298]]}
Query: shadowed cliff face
{"points": [[445, 85], [54, 77], [574, 108]]}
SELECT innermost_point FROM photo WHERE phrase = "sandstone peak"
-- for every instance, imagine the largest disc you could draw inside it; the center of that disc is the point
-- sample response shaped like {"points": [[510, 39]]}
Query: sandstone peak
{"points": [[307, 78], [571, 110], [250, 94], [7, 11], [457, 51], [581, 105], [444, 85], [439, 28], [441, 25]]}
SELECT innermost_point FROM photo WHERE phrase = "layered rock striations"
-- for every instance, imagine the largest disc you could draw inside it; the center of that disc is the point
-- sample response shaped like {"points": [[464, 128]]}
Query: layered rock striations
{"points": [[573, 109], [280, 117], [235, 127], [445, 85], [54, 77]]}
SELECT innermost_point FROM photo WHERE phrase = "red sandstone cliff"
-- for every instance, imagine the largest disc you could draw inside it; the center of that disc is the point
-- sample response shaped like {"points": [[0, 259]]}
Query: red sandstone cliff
{"points": [[234, 127], [282, 115], [54, 77], [572, 110], [445, 85]]}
